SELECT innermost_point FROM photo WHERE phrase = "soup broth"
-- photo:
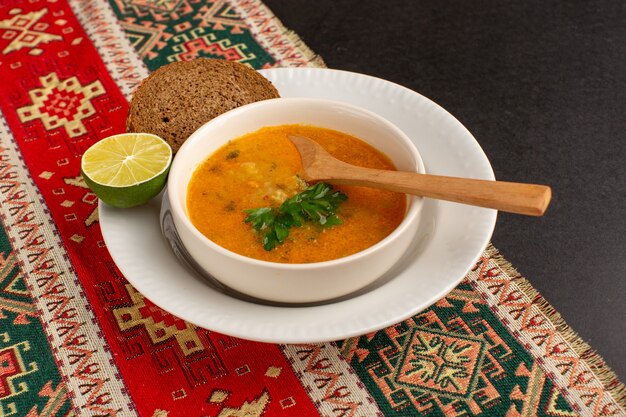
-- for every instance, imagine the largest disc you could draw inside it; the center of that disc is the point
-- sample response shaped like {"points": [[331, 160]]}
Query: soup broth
{"points": [[261, 169]]}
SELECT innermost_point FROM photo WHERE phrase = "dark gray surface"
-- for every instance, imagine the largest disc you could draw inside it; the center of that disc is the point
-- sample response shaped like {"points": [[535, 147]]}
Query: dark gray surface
{"points": [[541, 85]]}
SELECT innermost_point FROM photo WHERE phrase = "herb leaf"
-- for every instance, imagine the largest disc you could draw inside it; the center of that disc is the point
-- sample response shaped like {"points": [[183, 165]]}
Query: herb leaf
{"points": [[317, 203], [261, 218]]}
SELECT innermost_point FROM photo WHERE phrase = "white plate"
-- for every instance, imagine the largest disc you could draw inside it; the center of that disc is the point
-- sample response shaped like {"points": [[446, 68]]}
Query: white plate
{"points": [[450, 239]]}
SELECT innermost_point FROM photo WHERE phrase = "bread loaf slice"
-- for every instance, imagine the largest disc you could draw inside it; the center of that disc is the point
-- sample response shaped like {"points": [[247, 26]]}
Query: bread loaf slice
{"points": [[178, 98]]}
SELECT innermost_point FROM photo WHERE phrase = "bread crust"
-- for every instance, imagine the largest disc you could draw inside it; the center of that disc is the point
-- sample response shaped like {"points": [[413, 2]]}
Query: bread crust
{"points": [[178, 98]]}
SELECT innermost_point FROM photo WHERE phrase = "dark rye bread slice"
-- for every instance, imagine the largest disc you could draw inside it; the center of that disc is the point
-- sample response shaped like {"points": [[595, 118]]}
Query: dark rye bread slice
{"points": [[178, 98]]}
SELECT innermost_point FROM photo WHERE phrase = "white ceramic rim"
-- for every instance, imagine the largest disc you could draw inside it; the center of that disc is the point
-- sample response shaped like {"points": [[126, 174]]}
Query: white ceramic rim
{"points": [[413, 209]]}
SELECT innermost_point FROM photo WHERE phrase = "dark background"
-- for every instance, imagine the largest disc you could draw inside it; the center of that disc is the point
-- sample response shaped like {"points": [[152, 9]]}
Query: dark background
{"points": [[541, 86]]}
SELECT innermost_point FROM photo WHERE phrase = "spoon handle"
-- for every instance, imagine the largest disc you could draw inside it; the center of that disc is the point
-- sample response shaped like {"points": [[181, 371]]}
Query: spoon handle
{"points": [[520, 198]]}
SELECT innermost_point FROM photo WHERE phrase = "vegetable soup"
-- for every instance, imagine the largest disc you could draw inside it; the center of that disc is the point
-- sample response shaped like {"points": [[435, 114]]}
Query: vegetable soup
{"points": [[261, 169]]}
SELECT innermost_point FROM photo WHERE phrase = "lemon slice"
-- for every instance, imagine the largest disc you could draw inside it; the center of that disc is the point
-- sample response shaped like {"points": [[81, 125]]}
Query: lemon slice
{"points": [[127, 170]]}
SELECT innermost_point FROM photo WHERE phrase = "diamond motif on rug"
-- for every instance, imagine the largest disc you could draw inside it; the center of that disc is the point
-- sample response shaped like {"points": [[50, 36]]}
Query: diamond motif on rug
{"points": [[159, 324], [453, 359], [25, 31], [63, 103], [444, 363], [199, 43]]}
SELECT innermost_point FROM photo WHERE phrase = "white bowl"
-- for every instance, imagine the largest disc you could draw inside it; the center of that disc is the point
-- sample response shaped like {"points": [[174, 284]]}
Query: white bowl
{"points": [[293, 283]]}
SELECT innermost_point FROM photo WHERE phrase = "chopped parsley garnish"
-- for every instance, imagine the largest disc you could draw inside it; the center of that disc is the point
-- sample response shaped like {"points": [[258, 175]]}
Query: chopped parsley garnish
{"points": [[317, 204]]}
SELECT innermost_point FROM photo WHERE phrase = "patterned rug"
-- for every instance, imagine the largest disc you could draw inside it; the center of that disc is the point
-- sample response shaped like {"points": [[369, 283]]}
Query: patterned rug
{"points": [[77, 340]]}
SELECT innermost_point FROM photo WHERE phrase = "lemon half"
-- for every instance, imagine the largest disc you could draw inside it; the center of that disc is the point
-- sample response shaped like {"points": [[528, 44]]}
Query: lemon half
{"points": [[127, 170]]}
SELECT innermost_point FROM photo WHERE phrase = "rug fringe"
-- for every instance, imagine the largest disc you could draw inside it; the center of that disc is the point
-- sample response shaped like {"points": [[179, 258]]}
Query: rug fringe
{"points": [[314, 59], [603, 372], [257, 14]]}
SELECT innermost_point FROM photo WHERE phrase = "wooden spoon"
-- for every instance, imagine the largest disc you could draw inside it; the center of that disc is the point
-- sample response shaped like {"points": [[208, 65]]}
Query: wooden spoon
{"points": [[529, 199]]}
